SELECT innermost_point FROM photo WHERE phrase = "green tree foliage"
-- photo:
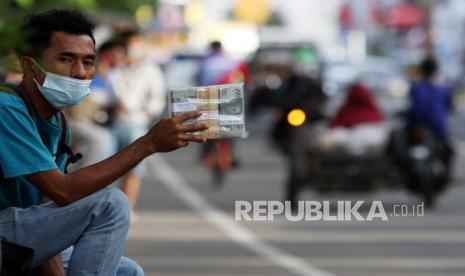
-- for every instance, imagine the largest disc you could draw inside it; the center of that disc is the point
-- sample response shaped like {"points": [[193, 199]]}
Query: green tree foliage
{"points": [[12, 13]]}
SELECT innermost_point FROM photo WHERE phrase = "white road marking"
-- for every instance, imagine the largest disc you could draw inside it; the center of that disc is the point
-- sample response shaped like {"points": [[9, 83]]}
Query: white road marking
{"points": [[178, 185]]}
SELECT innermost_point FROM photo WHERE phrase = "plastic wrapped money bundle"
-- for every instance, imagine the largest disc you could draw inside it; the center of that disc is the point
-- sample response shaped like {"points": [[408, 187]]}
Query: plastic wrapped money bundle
{"points": [[222, 108]]}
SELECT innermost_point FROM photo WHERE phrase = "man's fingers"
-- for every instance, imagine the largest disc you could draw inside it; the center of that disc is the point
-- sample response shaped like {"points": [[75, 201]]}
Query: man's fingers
{"points": [[186, 116], [192, 138], [197, 138], [183, 137], [194, 127], [182, 144]]}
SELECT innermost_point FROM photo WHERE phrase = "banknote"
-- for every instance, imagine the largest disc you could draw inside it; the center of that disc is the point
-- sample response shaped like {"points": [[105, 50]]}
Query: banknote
{"points": [[231, 100], [231, 131], [182, 101], [222, 108]]}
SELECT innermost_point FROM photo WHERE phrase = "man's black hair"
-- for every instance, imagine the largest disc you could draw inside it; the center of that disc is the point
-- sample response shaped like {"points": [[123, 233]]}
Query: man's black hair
{"points": [[37, 29], [126, 35], [110, 45], [428, 67]]}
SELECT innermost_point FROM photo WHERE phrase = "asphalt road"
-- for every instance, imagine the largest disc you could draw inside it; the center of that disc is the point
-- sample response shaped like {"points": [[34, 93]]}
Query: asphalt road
{"points": [[187, 227]]}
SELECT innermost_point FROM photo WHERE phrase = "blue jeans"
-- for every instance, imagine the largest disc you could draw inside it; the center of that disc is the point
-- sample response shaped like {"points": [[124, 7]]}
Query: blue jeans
{"points": [[96, 226], [126, 267]]}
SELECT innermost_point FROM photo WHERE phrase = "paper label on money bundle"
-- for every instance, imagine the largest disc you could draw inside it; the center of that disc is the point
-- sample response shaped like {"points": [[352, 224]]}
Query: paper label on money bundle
{"points": [[184, 107], [222, 108], [225, 120]]}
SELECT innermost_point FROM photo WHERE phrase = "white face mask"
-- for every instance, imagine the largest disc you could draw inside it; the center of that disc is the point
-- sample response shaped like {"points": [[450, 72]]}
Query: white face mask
{"points": [[62, 92]]}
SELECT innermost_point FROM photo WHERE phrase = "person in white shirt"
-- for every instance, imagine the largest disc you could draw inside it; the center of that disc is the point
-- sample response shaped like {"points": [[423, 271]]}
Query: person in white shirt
{"points": [[139, 88]]}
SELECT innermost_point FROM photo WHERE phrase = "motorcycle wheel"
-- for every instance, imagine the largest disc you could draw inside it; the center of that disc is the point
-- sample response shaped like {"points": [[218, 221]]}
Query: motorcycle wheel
{"points": [[217, 176], [426, 181]]}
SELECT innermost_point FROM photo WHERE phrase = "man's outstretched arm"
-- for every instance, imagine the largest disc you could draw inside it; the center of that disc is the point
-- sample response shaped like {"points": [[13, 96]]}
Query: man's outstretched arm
{"points": [[167, 135]]}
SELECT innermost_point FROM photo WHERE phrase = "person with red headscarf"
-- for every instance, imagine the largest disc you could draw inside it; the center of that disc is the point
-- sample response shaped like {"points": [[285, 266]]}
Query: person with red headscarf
{"points": [[360, 107], [358, 124]]}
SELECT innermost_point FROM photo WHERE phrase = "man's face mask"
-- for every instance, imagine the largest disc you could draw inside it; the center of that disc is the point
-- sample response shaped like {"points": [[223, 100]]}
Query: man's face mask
{"points": [[62, 92]]}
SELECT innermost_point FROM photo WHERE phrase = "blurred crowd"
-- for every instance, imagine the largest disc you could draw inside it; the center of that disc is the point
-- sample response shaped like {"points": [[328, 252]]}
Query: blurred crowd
{"points": [[128, 92]]}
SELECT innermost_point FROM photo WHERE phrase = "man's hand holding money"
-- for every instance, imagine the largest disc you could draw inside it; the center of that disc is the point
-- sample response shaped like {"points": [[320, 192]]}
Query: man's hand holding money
{"points": [[170, 134]]}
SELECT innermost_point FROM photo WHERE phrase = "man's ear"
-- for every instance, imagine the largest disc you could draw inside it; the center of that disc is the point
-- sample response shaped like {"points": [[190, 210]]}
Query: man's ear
{"points": [[28, 66]]}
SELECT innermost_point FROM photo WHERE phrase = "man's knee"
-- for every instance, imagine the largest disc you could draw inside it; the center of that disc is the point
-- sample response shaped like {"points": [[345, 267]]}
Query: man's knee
{"points": [[128, 267], [118, 203]]}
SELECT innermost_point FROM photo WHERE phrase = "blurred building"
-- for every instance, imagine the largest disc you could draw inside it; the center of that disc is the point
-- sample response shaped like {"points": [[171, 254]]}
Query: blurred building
{"points": [[242, 25]]}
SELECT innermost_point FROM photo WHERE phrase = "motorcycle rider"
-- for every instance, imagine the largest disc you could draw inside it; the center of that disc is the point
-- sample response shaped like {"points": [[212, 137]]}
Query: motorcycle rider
{"points": [[430, 106], [218, 68]]}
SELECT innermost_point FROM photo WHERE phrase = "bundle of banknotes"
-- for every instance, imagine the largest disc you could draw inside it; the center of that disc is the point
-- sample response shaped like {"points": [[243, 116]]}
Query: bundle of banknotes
{"points": [[222, 108]]}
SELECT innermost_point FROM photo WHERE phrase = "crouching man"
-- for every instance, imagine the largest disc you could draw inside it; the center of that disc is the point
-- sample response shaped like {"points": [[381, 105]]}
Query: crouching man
{"points": [[57, 56]]}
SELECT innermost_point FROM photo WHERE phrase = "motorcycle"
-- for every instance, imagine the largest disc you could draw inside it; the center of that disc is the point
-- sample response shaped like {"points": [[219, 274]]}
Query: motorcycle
{"points": [[423, 163], [410, 158]]}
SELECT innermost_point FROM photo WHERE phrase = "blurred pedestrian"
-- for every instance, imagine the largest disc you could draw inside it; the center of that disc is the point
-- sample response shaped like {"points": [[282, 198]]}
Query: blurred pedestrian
{"points": [[140, 92], [10, 69]]}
